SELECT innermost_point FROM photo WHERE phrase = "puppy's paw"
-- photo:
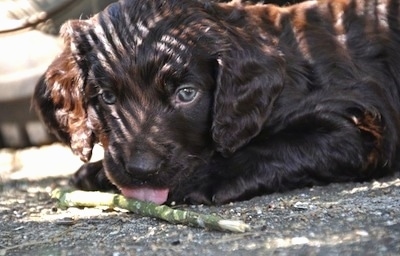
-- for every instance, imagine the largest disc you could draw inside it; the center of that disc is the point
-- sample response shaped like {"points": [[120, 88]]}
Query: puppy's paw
{"points": [[214, 194], [198, 197], [230, 191], [91, 176]]}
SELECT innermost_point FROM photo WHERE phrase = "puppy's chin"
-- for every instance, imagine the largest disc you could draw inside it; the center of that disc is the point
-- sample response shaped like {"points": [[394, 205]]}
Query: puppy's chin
{"points": [[148, 194]]}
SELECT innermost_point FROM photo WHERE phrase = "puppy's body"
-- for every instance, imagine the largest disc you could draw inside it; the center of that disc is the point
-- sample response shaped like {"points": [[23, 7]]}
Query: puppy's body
{"points": [[206, 103]]}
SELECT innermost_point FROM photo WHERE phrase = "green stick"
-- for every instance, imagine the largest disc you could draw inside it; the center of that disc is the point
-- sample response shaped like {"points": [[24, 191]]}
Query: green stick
{"points": [[95, 199]]}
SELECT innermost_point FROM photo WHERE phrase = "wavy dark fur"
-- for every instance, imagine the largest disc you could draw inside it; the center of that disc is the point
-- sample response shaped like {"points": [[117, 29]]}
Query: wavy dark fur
{"points": [[223, 102]]}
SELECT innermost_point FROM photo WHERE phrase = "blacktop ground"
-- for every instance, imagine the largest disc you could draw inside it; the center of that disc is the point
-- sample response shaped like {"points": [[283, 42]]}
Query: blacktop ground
{"points": [[339, 219]]}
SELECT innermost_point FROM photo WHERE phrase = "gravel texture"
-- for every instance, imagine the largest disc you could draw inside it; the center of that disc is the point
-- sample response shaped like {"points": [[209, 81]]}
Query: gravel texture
{"points": [[339, 219]]}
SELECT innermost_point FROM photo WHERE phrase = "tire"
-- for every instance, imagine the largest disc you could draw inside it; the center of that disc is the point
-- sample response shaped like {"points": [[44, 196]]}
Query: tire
{"points": [[28, 45]]}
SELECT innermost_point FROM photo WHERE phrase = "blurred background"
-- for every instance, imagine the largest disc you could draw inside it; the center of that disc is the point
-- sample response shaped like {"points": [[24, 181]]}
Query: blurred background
{"points": [[29, 41]]}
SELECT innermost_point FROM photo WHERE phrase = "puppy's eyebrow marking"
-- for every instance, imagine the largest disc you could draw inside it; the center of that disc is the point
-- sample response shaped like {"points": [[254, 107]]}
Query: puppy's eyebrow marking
{"points": [[170, 45], [139, 33], [166, 67], [172, 41], [115, 36], [140, 29], [111, 48], [174, 47], [133, 29], [100, 51]]}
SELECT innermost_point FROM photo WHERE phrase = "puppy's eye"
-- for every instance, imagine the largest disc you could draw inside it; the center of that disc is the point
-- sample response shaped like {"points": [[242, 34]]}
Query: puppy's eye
{"points": [[108, 97], [186, 94]]}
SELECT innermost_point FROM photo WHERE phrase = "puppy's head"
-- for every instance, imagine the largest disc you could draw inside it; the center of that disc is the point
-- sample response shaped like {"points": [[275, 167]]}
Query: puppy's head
{"points": [[162, 85]]}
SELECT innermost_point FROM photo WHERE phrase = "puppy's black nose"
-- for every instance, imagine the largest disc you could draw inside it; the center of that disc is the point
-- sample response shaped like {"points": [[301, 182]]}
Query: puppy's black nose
{"points": [[143, 164]]}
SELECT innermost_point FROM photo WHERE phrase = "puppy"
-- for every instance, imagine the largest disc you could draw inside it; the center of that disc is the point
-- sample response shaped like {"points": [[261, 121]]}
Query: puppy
{"points": [[212, 103]]}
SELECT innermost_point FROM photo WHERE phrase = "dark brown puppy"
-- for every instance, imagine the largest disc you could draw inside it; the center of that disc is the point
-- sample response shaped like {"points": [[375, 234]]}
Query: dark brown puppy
{"points": [[211, 103]]}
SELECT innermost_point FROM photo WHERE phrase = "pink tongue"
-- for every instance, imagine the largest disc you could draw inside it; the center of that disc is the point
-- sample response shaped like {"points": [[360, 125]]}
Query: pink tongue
{"points": [[157, 196]]}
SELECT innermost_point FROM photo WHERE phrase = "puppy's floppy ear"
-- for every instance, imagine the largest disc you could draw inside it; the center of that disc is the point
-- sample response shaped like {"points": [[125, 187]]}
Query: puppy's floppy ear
{"points": [[250, 78], [59, 95]]}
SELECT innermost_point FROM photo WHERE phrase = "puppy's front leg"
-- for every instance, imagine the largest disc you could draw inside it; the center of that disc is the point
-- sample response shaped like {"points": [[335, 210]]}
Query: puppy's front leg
{"points": [[91, 176]]}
